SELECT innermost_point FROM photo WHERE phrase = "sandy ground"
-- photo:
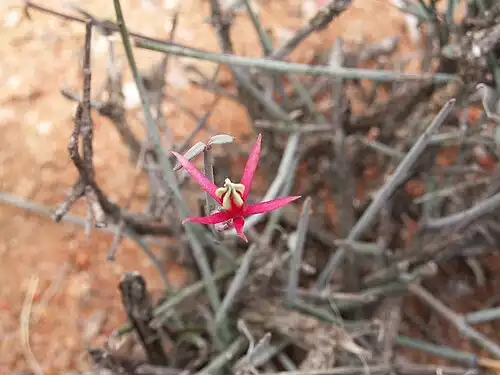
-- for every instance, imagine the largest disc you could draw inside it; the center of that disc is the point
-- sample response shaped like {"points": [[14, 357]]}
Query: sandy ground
{"points": [[76, 302]]}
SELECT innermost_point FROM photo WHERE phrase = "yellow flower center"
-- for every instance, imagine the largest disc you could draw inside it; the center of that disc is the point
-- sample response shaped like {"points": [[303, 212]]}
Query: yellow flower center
{"points": [[228, 191]]}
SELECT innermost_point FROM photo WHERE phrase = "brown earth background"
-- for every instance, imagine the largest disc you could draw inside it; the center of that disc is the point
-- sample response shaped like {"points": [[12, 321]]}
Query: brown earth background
{"points": [[76, 303]]}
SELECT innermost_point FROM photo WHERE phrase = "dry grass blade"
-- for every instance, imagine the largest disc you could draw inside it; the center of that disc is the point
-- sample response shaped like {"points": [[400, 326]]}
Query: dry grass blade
{"points": [[24, 325]]}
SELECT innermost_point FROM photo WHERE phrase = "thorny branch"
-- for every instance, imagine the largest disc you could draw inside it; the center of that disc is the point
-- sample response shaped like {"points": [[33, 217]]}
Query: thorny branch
{"points": [[85, 185], [319, 21], [100, 206]]}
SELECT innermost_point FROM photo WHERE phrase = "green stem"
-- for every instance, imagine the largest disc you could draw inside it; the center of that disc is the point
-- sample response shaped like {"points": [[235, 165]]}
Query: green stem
{"points": [[288, 67], [154, 135]]}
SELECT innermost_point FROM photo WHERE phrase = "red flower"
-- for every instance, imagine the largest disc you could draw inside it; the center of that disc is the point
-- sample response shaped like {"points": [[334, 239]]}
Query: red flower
{"points": [[232, 197]]}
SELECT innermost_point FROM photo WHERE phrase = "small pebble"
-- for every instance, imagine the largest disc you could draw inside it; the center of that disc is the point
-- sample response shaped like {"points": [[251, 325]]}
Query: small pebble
{"points": [[132, 98], [94, 325], [13, 18], [44, 127]]}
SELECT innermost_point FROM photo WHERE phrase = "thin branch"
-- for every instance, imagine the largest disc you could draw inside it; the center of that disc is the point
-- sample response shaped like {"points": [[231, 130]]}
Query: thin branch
{"points": [[288, 67], [343, 164], [482, 316], [107, 25], [456, 320], [224, 358], [465, 217], [319, 21], [236, 285], [295, 263]]}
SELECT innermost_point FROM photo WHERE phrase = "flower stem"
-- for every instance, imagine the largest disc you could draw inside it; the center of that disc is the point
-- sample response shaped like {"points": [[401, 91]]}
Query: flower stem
{"points": [[210, 203]]}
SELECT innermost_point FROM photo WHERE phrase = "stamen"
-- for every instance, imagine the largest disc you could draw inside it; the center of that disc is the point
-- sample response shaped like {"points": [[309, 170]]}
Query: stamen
{"points": [[231, 190]]}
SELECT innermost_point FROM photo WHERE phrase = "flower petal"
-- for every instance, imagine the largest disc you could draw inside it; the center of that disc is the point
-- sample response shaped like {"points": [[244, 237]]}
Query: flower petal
{"points": [[251, 166], [262, 207], [238, 223], [203, 181], [215, 218]]}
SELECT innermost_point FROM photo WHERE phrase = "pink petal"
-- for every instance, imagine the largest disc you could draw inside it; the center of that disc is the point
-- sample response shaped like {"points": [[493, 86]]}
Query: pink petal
{"points": [[204, 182], [262, 207], [251, 166], [238, 223], [215, 218]]}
